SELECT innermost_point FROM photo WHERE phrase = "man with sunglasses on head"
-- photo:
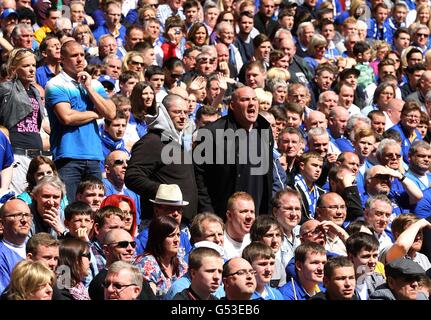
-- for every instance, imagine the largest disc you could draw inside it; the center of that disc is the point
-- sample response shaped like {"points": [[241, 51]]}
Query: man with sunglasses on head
{"points": [[118, 245]]}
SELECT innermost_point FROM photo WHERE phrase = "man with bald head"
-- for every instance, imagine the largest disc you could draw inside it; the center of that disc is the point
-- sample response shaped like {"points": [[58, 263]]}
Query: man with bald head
{"points": [[331, 211], [316, 119], [392, 112], [298, 69], [238, 279], [327, 101], [15, 220], [223, 61], [217, 181], [168, 162], [115, 169], [118, 245]]}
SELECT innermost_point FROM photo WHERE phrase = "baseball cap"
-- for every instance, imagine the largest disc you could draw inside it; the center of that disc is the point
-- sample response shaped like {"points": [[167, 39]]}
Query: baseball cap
{"points": [[346, 72], [107, 80], [7, 12]]}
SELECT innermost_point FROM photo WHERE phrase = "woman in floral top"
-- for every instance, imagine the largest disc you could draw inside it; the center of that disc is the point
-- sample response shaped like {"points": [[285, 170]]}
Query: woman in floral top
{"points": [[160, 264]]}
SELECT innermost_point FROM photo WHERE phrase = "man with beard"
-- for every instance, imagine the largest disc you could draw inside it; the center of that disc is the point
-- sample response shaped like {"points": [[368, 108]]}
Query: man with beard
{"points": [[16, 220], [310, 259], [419, 163], [50, 51]]}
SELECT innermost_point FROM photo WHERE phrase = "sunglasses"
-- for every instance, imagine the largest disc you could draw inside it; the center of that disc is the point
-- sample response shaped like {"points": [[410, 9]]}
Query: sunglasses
{"points": [[120, 162], [116, 285], [86, 255], [124, 244], [176, 75], [137, 63]]}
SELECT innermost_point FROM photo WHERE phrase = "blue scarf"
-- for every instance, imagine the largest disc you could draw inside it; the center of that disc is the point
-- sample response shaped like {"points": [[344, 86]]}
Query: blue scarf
{"points": [[110, 144], [141, 127], [311, 195]]}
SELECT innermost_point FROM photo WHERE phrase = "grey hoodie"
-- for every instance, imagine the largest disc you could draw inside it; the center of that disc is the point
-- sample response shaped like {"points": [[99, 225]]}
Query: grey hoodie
{"points": [[162, 121]]}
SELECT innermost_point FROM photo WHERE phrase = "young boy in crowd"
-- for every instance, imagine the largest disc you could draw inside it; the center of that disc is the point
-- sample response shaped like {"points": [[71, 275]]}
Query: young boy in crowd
{"points": [[91, 191], [362, 250], [362, 53], [262, 259]]}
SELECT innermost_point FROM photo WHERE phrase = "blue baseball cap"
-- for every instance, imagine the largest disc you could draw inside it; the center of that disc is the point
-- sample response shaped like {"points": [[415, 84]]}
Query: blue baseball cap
{"points": [[7, 12], [105, 79]]}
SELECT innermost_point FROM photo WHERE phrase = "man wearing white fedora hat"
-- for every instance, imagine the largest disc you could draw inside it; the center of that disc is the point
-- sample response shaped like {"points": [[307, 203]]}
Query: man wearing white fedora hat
{"points": [[168, 202]]}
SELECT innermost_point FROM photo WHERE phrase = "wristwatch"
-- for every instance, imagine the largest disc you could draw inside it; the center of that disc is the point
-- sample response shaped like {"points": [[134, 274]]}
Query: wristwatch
{"points": [[402, 179]]}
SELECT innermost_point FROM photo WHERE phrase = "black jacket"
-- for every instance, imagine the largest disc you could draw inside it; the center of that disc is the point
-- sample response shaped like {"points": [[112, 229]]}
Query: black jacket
{"points": [[265, 25], [146, 171], [299, 71], [217, 182]]}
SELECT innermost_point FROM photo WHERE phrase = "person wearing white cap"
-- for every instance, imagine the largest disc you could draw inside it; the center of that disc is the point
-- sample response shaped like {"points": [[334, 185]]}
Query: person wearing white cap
{"points": [[168, 202]]}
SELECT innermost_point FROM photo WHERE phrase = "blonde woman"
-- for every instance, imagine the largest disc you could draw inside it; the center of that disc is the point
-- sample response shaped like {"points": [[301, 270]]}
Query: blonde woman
{"points": [[31, 280], [134, 61], [264, 98], [20, 113], [316, 51], [279, 73], [82, 33]]}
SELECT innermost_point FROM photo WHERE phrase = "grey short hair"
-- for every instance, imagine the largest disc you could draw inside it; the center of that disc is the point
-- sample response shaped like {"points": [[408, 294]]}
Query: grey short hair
{"points": [[134, 272], [353, 119], [273, 84], [16, 32], [54, 181], [383, 144], [316, 132], [370, 201], [222, 25], [302, 26], [170, 100], [110, 57]]}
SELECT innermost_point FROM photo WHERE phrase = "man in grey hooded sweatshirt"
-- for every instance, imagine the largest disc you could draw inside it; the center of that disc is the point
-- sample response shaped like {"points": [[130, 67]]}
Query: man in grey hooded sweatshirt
{"points": [[159, 157]]}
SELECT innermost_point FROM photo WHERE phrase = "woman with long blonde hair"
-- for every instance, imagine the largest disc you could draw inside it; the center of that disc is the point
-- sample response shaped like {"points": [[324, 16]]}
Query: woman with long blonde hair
{"points": [[21, 113]]}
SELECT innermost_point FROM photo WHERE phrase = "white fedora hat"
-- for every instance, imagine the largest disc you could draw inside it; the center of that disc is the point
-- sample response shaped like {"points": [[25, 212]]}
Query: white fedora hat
{"points": [[169, 194]]}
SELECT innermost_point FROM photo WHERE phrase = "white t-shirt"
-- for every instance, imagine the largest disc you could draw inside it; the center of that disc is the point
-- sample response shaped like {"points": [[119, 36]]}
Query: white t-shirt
{"points": [[232, 248]]}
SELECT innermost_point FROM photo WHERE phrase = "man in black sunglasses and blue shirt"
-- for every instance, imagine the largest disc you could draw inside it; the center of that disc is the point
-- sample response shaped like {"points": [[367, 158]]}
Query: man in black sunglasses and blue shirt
{"points": [[118, 245], [115, 168]]}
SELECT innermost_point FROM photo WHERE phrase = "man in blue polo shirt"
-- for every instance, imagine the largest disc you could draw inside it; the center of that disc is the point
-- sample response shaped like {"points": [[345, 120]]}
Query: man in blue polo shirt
{"points": [[50, 51], [74, 101]]}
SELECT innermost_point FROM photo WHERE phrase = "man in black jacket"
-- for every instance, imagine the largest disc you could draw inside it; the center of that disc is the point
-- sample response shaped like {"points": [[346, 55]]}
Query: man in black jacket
{"points": [[159, 157], [263, 19], [244, 163]]}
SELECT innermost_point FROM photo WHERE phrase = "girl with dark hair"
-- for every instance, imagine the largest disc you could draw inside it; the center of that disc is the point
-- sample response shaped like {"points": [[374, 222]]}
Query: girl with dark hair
{"points": [[143, 102], [73, 268], [160, 264]]}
